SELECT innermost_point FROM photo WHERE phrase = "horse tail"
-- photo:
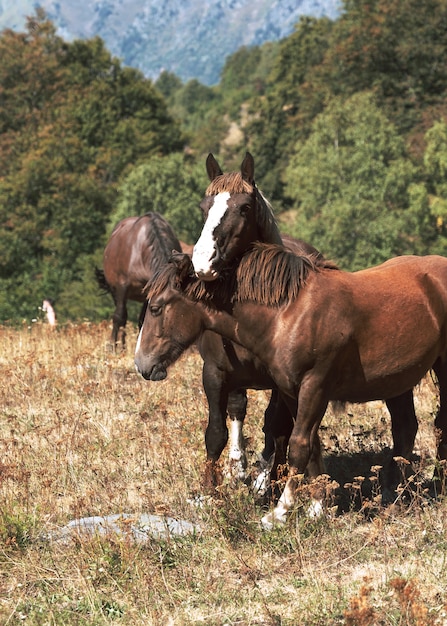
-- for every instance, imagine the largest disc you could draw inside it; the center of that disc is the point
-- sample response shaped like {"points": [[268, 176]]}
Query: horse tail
{"points": [[101, 280]]}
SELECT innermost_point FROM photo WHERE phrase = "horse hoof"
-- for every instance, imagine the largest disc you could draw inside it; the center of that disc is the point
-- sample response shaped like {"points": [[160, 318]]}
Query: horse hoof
{"points": [[261, 483], [270, 520], [315, 510]]}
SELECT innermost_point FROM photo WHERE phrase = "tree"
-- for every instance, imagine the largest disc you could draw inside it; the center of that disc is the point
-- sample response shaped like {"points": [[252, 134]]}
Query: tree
{"points": [[292, 99], [169, 185], [395, 48], [168, 84], [350, 182], [72, 123], [429, 196]]}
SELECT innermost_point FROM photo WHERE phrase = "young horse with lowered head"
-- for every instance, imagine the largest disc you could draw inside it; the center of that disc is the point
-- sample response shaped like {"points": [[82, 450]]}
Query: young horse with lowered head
{"points": [[138, 247], [324, 334]]}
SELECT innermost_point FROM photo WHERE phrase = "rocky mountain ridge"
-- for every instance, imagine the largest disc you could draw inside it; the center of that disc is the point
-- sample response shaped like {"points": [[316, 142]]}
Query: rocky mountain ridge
{"points": [[187, 37]]}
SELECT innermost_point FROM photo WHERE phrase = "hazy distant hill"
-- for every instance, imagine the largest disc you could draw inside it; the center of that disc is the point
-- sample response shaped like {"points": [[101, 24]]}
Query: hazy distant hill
{"points": [[191, 38]]}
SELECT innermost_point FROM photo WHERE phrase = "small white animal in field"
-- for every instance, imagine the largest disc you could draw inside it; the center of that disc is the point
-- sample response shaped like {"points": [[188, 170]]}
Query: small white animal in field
{"points": [[47, 308]]}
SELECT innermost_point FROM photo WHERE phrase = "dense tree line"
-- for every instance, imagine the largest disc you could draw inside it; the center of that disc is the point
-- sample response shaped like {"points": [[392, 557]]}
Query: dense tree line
{"points": [[346, 119]]}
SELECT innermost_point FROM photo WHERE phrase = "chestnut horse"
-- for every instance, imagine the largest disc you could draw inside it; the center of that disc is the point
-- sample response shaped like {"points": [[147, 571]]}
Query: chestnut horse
{"points": [[137, 248], [324, 334]]}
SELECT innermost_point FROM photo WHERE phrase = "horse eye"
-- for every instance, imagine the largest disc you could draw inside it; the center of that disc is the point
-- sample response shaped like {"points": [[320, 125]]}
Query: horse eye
{"points": [[155, 310], [244, 209]]}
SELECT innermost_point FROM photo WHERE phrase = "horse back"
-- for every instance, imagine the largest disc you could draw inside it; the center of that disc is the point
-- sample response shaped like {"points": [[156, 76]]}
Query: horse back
{"points": [[137, 248]]}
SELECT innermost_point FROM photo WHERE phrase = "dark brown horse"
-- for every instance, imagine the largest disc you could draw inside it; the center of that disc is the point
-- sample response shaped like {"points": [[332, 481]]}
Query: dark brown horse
{"points": [[228, 370], [137, 248], [324, 334], [236, 214]]}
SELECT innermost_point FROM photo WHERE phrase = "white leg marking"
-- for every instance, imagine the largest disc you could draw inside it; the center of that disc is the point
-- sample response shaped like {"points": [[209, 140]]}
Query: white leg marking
{"points": [[285, 503], [315, 509], [261, 482], [238, 459]]}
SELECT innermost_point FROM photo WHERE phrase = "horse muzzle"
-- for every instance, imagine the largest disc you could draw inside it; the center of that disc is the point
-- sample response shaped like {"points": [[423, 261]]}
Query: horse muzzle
{"points": [[156, 372], [207, 266]]}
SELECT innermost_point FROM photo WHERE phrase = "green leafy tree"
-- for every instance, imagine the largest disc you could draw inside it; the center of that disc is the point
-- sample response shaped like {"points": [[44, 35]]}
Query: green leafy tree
{"points": [[351, 184], [168, 84], [395, 48], [429, 196], [72, 123], [170, 185], [292, 99]]}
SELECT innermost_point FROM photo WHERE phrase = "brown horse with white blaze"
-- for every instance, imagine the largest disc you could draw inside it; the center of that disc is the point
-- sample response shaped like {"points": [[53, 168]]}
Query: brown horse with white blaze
{"points": [[236, 214], [324, 334]]}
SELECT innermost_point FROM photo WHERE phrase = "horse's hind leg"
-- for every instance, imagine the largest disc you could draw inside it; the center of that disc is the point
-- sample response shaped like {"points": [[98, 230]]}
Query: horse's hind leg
{"points": [[404, 426], [119, 318], [440, 369], [277, 427]]}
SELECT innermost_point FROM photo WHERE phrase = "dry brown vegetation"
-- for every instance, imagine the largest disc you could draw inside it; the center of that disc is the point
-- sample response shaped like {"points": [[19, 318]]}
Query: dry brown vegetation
{"points": [[82, 434]]}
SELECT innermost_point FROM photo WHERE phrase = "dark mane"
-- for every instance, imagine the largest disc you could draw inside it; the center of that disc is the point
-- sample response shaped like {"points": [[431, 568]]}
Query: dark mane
{"points": [[271, 275], [159, 239], [267, 274]]}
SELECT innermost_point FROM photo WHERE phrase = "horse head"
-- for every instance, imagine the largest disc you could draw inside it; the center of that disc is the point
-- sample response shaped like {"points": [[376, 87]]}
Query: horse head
{"points": [[170, 325], [235, 215]]}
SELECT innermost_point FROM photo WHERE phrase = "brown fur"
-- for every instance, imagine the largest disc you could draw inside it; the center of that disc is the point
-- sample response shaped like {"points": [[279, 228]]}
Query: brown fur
{"points": [[268, 275], [233, 183]]}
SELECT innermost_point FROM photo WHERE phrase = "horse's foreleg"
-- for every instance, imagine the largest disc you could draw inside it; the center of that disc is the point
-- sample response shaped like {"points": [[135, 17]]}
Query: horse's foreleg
{"points": [[404, 427], [119, 318], [440, 369], [216, 434], [272, 415], [303, 447]]}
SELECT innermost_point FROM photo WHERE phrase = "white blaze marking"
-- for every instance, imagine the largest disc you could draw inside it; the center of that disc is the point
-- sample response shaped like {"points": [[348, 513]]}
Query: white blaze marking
{"points": [[204, 249], [137, 347]]}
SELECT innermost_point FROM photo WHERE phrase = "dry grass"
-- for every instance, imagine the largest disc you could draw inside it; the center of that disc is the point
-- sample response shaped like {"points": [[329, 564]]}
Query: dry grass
{"points": [[82, 434]]}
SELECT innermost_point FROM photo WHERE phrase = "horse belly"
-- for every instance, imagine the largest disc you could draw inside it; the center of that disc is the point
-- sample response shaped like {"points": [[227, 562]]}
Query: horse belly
{"points": [[387, 374]]}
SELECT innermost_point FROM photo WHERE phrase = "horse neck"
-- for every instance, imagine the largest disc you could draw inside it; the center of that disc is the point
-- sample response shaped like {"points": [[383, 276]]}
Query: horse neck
{"points": [[236, 326], [268, 231], [219, 321]]}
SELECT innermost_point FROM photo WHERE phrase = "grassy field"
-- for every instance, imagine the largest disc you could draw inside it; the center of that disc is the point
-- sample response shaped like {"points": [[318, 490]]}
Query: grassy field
{"points": [[82, 434]]}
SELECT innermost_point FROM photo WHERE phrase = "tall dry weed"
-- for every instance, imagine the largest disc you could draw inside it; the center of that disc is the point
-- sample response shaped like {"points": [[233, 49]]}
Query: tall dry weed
{"points": [[82, 434]]}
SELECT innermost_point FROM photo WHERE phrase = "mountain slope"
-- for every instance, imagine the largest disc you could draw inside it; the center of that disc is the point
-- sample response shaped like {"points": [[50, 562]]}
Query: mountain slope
{"points": [[188, 37]]}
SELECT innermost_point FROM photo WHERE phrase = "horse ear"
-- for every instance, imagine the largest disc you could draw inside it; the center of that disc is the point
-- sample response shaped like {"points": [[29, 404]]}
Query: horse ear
{"points": [[212, 167], [248, 169], [183, 265]]}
